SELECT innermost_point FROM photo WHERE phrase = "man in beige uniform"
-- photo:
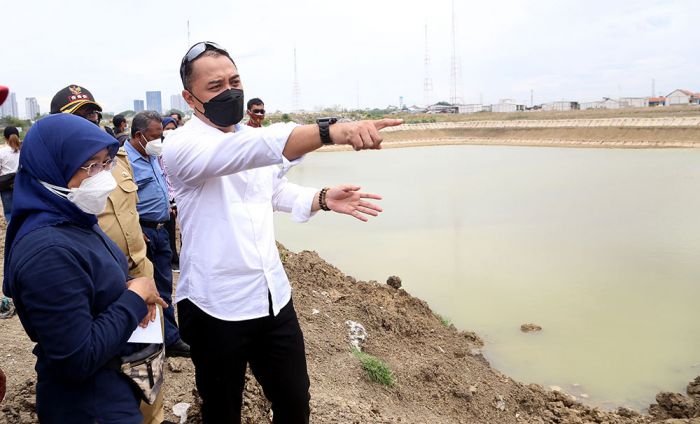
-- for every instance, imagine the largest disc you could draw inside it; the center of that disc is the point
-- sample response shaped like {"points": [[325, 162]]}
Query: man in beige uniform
{"points": [[119, 220]]}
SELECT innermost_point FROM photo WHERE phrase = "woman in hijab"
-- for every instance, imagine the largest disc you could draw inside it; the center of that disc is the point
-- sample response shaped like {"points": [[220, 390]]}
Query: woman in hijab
{"points": [[68, 279]]}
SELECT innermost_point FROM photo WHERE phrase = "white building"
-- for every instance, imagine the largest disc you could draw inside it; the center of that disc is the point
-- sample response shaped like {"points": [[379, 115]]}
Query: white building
{"points": [[632, 102], [682, 97], [179, 103], [560, 106], [507, 105], [31, 107], [597, 104], [9, 108], [471, 108]]}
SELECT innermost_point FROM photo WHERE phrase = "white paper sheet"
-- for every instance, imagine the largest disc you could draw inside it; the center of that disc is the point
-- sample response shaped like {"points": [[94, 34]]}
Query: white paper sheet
{"points": [[151, 334]]}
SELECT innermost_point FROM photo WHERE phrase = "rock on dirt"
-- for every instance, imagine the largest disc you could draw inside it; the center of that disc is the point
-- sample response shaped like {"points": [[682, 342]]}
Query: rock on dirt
{"points": [[394, 282], [527, 328]]}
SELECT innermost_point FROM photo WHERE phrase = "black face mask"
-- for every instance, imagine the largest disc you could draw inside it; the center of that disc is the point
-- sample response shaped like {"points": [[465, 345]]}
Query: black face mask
{"points": [[224, 109]]}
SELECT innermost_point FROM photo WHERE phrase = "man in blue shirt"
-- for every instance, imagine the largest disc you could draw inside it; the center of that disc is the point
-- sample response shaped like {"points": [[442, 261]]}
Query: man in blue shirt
{"points": [[153, 208]]}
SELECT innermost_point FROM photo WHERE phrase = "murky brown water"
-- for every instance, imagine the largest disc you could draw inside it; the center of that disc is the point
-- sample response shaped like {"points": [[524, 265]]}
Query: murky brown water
{"points": [[599, 247]]}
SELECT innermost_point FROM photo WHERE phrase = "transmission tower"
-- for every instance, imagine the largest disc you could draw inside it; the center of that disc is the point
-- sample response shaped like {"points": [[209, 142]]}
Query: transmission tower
{"points": [[296, 90], [427, 81], [453, 61]]}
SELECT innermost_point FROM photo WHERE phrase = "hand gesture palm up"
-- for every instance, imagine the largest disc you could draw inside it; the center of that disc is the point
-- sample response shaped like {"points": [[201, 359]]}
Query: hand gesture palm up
{"points": [[347, 199]]}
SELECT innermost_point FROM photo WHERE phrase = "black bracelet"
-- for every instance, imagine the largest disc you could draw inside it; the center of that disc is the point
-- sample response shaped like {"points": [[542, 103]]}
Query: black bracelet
{"points": [[322, 199]]}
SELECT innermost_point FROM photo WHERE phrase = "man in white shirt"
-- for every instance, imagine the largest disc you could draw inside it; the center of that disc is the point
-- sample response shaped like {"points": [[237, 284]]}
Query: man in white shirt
{"points": [[233, 296]]}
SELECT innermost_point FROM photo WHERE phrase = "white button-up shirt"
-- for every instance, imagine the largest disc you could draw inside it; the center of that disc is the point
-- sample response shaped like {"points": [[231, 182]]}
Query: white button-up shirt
{"points": [[227, 186]]}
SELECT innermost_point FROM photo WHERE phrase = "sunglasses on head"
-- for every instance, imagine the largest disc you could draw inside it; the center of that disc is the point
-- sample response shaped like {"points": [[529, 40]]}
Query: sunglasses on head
{"points": [[195, 51], [258, 111]]}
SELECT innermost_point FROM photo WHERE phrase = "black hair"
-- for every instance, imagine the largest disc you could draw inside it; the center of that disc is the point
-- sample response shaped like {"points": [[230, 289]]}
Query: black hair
{"points": [[142, 120], [210, 51], [9, 131], [118, 120], [254, 101], [179, 115]]}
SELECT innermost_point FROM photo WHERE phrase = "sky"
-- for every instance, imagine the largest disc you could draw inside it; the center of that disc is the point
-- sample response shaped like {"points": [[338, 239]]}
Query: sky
{"points": [[357, 53]]}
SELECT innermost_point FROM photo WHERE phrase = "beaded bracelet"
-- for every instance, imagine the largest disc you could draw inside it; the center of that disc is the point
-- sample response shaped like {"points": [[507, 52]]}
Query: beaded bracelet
{"points": [[322, 199]]}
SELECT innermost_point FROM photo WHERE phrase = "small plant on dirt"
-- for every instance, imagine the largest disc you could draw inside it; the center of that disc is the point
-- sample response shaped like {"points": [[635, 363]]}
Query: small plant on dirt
{"points": [[377, 370], [444, 320]]}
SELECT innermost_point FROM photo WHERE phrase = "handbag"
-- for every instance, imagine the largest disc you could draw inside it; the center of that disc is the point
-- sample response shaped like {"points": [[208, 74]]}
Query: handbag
{"points": [[7, 181], [144, 369]]}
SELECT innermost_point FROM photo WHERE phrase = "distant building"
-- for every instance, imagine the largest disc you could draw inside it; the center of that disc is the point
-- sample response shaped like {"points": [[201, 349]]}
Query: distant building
{"points": [[138, 106], [560, 106], [606, 103], [682, 97], [31, 107], [436, 108], [632, 102], [471, 108], [507, 105], [9, 108], [597, 104], [153, 101], [656, 101], [179, 103]]}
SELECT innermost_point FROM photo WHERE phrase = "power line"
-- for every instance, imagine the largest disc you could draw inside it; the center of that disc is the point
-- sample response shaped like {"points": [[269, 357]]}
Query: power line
{"points": [[296, 89], [427, 81]]}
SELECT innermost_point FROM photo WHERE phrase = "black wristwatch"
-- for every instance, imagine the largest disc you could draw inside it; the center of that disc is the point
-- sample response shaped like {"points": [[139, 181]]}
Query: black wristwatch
{"points": [[324, 128]]}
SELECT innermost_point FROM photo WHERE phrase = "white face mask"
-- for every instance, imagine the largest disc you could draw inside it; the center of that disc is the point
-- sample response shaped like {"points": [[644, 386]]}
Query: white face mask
{"points": [[153, 147], [91, 196]]}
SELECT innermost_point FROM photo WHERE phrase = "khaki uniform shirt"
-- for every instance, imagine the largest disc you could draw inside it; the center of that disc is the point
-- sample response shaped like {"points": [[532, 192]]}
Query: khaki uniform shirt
{"points": [[120, 221]]}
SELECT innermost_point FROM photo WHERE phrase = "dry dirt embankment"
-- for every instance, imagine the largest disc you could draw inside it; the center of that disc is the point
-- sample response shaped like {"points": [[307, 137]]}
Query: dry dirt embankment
{"points": [[441, 376], [658, 132]]}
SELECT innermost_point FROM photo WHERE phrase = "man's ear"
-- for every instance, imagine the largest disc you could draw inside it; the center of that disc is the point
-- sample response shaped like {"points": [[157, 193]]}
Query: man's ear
{"points": [[189, 98]]}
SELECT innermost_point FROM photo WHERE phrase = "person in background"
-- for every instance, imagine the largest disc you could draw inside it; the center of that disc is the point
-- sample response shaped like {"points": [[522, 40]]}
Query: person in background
{"points": [[68, 280], [76, 100], [177, 117], [120, 129], [170, 124], [256, 112], [120, 221], [9, 161], [4, 91], [143, 149]]}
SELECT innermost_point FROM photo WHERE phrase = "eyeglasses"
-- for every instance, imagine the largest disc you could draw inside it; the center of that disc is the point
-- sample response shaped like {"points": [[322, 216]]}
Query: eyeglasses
{"points": [[86, 113], [97, 167], [194, 52], [258, 111]]}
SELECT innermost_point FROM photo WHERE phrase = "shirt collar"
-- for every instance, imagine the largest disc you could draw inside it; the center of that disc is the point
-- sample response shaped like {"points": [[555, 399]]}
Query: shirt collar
{"points": [[134, 154]]}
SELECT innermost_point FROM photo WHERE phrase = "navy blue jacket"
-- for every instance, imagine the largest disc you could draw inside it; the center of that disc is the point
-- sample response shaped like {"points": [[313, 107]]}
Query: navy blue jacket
{"points": [[69, 286]]}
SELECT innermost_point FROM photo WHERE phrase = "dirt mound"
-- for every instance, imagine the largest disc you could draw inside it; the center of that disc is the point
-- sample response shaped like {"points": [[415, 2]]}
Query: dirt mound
{"points": [[440, 375]]}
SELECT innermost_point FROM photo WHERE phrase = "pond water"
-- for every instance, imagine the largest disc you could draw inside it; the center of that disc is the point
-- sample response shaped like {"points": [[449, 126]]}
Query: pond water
{"points": [[600, 247]]}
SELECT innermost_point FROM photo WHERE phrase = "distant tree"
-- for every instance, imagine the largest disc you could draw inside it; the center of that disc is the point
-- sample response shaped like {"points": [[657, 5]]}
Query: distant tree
{"points": [[285, 117], [127, 113], [15, 122], [443, 104]]}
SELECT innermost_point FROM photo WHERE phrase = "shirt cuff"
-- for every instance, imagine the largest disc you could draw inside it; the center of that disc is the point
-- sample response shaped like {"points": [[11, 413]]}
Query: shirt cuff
{"points": [[301, 210]]}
